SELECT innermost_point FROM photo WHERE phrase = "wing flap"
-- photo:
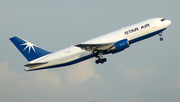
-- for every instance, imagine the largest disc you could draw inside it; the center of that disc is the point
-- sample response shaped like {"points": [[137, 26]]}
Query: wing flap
{"points": [[90, 47]]}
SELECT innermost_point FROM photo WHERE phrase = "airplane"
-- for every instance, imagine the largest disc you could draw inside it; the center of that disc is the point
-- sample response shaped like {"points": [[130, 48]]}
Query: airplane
{"points": [[110, 43]]}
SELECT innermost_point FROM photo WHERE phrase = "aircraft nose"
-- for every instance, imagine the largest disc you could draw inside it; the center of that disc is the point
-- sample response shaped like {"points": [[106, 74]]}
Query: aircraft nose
{"points": [[168, 22]]}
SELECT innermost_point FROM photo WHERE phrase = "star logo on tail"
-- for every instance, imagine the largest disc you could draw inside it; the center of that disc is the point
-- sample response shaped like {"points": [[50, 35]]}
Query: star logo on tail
{"points": [[29, 46]]}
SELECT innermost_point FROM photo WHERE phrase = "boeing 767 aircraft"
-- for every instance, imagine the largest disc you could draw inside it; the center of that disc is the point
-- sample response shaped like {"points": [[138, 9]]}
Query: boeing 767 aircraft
{"points": [[110, 43]]}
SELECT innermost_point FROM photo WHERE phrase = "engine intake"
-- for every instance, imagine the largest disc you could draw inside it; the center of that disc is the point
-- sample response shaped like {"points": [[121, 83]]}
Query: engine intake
{"points": [[119, 46]]}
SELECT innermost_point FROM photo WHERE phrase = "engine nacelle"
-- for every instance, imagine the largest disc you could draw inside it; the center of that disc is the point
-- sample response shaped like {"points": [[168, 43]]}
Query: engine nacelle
{"points": [[119, 46]]}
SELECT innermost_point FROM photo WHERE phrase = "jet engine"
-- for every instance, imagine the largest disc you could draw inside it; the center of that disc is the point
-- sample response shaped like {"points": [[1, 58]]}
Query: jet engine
{"points": [[119, 46]]}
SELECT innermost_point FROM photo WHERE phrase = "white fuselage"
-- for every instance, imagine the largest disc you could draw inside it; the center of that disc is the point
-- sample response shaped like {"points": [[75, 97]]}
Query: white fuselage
{"points": [[73, 54]]}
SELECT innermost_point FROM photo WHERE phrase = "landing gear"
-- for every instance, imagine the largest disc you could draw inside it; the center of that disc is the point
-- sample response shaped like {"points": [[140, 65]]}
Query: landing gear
{"points": [[101, 60], [161, 38]]}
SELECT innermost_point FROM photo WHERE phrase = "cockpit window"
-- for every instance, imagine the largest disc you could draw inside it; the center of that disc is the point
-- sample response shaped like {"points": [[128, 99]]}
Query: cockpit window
{"points": [[163, 19]]}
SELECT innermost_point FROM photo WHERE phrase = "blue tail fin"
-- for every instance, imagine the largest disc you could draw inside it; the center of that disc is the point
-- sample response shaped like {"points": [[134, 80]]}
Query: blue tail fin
{"points": [[29, 50]]}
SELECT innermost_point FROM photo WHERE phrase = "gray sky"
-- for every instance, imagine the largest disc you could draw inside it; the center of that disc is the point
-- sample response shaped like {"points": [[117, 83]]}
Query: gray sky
{"points": [[148, 71]]}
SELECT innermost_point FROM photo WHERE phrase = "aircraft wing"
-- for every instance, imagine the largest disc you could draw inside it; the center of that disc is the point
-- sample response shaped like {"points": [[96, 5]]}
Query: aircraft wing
{"points": [[90, 47]]}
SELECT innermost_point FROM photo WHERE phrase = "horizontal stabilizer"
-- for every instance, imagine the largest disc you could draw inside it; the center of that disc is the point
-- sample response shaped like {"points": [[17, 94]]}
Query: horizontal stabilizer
{"points": [[35, 64]]}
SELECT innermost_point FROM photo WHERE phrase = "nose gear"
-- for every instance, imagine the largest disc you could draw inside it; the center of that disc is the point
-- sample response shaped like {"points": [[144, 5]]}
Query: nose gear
{"points": [[161, 37]]}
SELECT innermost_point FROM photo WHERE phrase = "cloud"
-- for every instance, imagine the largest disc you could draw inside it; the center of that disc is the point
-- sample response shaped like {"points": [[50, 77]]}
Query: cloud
{"points": [[59, 80], [133, 73], [149, 70], [14, 82], [81, 73]]}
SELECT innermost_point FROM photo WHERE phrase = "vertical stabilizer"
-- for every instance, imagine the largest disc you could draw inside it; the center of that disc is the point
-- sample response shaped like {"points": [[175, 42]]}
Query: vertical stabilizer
{"points": [[29, 50]]}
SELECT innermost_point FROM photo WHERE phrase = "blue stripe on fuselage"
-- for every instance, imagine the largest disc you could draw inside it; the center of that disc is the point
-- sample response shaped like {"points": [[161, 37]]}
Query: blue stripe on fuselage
{"points": [[145, 36]]}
